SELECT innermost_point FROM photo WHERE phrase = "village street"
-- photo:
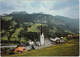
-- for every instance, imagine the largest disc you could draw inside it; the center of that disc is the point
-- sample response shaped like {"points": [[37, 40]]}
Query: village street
{"points": [[47, 44]]}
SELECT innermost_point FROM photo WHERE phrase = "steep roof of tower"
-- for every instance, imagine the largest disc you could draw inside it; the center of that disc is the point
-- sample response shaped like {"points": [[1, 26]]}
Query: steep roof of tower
{"points": [[41, 29]]}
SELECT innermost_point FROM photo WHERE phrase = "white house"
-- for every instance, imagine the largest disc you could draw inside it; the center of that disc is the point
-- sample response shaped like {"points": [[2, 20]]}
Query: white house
{"points": [[55, 39]]}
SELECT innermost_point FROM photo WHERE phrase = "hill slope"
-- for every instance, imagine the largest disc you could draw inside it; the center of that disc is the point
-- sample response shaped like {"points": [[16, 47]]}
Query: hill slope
{"points": [[30, 29]]}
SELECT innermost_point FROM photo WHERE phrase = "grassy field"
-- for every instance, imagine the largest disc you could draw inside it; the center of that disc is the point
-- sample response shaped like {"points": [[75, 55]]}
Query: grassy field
{"points": [[7, 18], [33, 28], [67, 49], [16, 33]]}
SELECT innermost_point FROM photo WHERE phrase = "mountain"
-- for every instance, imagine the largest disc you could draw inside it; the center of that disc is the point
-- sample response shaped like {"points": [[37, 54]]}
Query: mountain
{"points": [[23, 26], [56, 21]]}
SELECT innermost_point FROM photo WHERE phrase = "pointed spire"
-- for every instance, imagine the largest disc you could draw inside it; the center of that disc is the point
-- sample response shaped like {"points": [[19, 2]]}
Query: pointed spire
{"points": [[41, 29]]}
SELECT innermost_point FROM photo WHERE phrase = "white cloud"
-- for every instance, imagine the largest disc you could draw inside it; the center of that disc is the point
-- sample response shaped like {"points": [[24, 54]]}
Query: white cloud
{"points": [[45, 7]]}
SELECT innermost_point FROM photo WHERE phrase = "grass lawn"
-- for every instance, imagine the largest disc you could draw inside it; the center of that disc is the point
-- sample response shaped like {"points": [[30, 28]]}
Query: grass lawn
{"points": [[67, 49]]}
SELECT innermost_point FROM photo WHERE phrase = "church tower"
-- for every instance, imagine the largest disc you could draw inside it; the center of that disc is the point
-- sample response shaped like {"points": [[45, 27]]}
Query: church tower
{"points": [[41, 37]]}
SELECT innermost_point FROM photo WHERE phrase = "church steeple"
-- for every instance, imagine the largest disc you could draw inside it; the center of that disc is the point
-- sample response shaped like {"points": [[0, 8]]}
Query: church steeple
{"points": [[41, 29], [41, 37]]}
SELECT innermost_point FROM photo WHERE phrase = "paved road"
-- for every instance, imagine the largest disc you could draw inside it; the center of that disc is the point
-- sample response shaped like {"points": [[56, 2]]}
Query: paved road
{"points": [[43, 46], [29, 47], [8, 46]]}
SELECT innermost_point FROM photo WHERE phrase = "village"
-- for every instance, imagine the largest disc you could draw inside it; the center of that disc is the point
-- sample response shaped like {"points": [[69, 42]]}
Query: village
{"points": [[34, 45]]}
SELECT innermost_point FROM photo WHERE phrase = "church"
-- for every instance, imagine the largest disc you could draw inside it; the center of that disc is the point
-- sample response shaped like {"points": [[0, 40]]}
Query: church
{"points": [[42, 37]]}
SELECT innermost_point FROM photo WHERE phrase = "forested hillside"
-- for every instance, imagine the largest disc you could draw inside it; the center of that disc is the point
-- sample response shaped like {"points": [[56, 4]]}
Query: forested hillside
{"points": [[21, 26]]}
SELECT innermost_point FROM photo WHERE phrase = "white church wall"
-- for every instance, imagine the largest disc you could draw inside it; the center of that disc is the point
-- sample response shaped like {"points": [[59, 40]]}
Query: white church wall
{"points": [[42, 39]]}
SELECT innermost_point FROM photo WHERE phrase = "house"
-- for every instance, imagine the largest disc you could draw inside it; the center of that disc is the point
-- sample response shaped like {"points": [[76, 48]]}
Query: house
{"points": [[57, 39]]}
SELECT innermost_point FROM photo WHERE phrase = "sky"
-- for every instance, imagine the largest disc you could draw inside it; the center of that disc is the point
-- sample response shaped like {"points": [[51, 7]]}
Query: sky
{"points": [[67, 8]]}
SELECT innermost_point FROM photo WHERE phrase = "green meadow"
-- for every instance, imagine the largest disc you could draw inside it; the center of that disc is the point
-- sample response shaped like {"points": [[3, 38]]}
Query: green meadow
{"points": [[34, 27], [7, 18]]}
